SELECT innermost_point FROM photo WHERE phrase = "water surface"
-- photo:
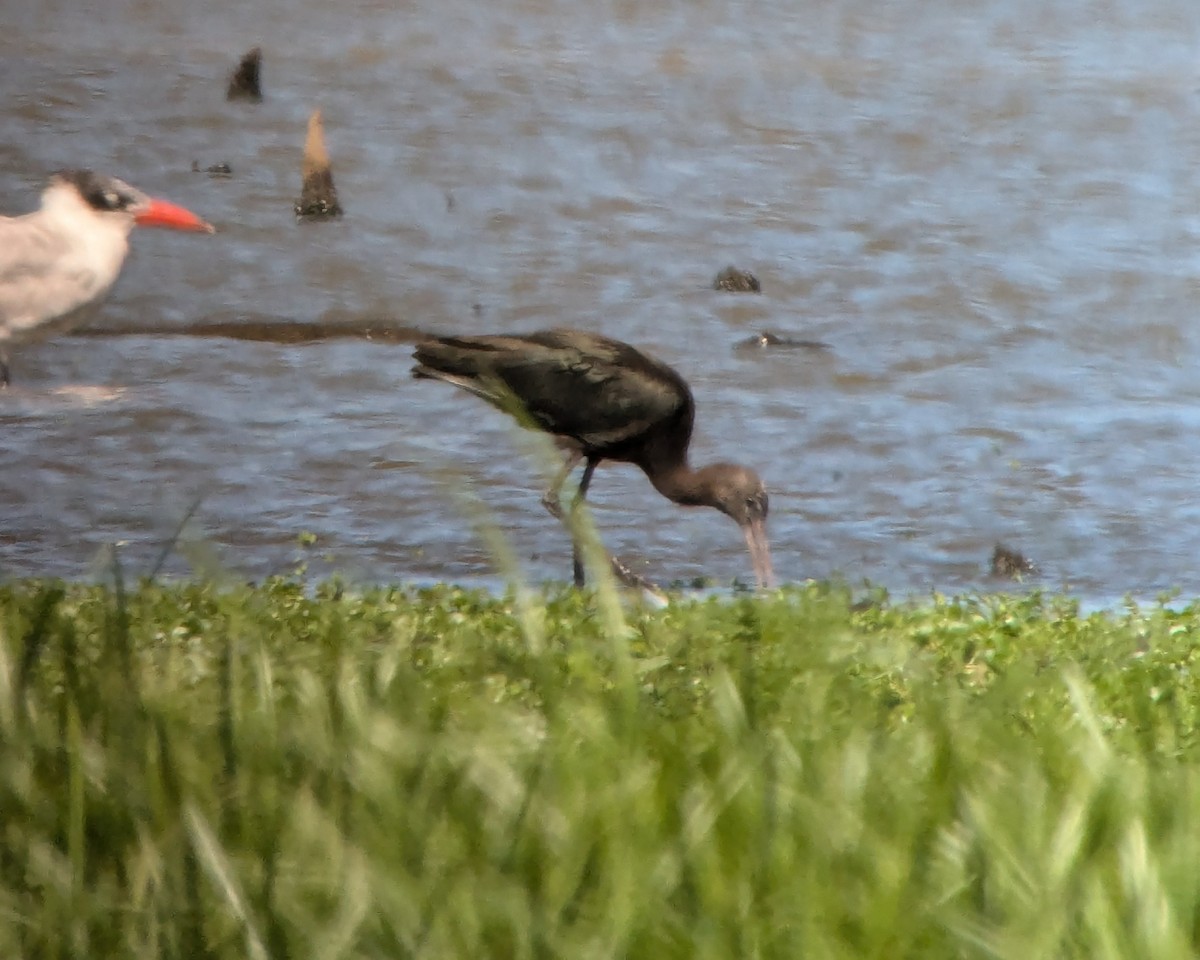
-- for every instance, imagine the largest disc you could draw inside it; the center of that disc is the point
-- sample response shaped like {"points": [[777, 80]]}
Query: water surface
{"points": [[986, 209]]}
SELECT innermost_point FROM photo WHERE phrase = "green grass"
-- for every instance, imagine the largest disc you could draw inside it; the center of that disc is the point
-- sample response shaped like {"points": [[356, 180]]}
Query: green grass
{"points": [[200, 772]]}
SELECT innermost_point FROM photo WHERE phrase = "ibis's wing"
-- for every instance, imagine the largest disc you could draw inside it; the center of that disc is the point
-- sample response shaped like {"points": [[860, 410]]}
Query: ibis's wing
{"points": [[600, 392]]}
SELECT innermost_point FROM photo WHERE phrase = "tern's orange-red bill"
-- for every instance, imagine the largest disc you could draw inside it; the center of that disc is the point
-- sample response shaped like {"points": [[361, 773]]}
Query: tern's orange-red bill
{"points": [[160, 213]]}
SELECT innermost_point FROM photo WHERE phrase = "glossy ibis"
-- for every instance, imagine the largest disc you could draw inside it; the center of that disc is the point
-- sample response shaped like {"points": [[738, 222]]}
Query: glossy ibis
{"points": [[601, 399], [61, 259]]}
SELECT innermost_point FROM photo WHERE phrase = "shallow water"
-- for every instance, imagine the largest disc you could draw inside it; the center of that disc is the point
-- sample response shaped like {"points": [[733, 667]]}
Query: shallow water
{"points": [[986, 209]]}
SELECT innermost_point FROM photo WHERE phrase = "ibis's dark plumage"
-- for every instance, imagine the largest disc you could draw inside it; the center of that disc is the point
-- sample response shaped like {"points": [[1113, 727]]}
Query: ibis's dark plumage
{"points": [[602, 399]]}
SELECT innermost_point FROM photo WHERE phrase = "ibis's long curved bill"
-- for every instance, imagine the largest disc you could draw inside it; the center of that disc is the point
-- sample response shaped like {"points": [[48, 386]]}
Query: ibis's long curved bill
{"points": [[760, 552], [160, 213]]}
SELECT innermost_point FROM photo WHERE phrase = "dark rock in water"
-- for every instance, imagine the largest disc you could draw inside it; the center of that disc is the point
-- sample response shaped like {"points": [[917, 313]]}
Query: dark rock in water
{"points": [[737, 281], [245, 84], [1010, 563], [318, 197], [214, 170], [767, 340]]}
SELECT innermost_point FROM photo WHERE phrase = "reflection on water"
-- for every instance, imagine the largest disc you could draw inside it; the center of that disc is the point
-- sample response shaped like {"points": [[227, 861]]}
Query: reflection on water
{"points": [[987, 212], [23, 401]]}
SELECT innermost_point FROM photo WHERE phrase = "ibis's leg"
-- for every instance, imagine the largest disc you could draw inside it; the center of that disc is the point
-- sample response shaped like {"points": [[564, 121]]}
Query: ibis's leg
{"points": [[553, 504], [550, 499], [580, 496], [3, 369], [620, 571]]}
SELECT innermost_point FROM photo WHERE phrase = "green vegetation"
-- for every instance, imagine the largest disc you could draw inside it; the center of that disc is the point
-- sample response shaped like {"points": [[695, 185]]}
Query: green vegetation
{"points": [[200, 772]]}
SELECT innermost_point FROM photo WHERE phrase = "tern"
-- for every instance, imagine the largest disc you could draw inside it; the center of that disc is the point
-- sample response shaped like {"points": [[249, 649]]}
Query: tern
{"points": [[60, 260]]}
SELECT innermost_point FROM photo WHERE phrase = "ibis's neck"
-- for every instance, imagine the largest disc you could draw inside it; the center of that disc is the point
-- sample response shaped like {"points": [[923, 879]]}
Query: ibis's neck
{"points": [[678, 482]]}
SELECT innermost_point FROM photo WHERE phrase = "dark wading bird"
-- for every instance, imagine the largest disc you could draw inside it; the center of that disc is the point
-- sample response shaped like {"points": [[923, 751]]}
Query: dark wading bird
{"points": [[57, 262], [602, 400]]}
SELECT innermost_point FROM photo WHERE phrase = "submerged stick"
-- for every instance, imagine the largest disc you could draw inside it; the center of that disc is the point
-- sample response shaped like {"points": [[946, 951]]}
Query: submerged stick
{"points": [[318, 196], [267, 331], [246, 81]]}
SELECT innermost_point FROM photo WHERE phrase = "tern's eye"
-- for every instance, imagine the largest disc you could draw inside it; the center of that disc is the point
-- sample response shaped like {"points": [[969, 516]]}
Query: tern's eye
{"points": [[106, 199]]}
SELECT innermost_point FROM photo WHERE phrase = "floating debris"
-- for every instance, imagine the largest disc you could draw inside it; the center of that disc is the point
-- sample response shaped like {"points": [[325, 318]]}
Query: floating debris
{"points": [[733, 280], [318, 197], [213, 170], [245, 84], [768, 340], [1010, 563]]}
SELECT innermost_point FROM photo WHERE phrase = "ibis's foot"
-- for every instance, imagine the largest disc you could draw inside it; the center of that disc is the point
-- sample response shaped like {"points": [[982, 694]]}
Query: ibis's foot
{"points": [[550, 502], [634, 581], [623, 574]]}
